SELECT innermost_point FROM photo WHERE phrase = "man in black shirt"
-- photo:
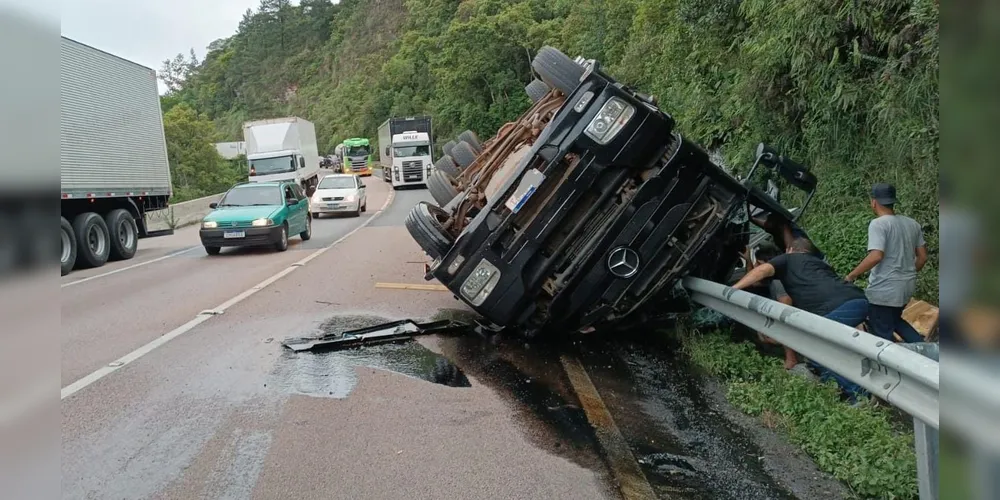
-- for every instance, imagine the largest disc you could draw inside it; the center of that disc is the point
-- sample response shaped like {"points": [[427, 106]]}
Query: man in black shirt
{"points": [[814, 287]]}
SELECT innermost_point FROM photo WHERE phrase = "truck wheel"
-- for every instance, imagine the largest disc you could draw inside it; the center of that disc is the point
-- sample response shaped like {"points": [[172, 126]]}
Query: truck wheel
{"points": [[447, 147], [440, 187], [282, 244], [473, 140], [424, 222], [68, 246], [124, 234], [536, 90], [447, 165], [464, 154], [93, 243], [557, 69]]}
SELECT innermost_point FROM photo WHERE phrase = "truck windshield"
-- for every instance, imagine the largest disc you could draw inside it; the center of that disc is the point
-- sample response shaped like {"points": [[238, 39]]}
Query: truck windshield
{"points": [[268, 166], [337, 183], [355, 151], [247, 196], [403, 152]]}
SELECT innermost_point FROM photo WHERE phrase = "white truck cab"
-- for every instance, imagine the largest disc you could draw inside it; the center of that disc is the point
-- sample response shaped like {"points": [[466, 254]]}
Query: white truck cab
{"points": [[282, 149], [411, 158]]}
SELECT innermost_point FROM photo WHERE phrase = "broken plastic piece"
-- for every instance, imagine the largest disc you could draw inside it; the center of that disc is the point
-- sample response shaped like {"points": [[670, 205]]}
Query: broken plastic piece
{"points": [[395, 331]]}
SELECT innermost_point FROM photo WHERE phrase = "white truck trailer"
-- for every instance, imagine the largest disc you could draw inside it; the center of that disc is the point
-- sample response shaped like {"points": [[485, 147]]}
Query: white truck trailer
{"points": [[283, 149], [113, 155], [405, 147]]}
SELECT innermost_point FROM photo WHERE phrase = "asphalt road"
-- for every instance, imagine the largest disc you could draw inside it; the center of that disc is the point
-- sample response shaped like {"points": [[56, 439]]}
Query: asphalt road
{"points": [[160, 401]]}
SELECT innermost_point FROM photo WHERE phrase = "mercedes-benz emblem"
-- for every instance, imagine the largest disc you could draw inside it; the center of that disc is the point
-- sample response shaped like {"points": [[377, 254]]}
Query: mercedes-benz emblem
{"points": [[623, 262]]}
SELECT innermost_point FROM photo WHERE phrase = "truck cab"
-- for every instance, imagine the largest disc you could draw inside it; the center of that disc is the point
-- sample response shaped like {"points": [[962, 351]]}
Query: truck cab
{"points": [[357, 156], [282, 149], [411, 159]]}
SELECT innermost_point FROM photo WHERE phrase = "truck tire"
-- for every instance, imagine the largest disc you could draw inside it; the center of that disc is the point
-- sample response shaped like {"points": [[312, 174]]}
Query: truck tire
{"points": [[447, 165], [440, 187], [464, 154], [472, 139], [424, 224], [557, 69], [447, 147], [68, 246], [536, 90], [93, 243], [124, 234], [282, 244]]}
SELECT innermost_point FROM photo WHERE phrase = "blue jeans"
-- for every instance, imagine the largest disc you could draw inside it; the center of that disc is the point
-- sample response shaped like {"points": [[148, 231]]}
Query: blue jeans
{"points": [[851, 313], [884, 320]]}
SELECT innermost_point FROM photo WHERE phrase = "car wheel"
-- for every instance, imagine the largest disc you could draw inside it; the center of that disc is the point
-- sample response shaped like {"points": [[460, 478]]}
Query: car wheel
{"points": [[282, 244], [364, 208], [425, 224], [440, 187], [464, 154], [447, 165], [124, 234], [68, 257], [315, 215], [92, 240], [212, 250], [447, 147], [557, 69], [308, 233], [472, 139], [536, 90]]}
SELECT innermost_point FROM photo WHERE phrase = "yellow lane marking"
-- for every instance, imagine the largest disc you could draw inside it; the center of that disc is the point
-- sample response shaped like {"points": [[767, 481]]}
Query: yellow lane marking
{"points": [[413, 286], [631, 480]]}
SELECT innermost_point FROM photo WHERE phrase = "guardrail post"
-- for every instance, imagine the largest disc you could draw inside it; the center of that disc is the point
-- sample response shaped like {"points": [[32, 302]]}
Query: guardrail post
{"points": [[925, 438]]}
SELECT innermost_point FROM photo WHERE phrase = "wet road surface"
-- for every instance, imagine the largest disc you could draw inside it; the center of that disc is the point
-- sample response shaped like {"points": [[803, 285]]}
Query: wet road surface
{"points": [[224, 411]]}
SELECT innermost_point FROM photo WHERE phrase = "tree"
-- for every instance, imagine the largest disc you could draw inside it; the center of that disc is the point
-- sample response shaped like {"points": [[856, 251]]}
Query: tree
{"points": [[196, 168]]}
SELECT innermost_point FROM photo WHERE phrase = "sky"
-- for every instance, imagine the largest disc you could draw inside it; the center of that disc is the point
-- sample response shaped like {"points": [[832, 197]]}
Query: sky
{"points": [[149, 31]]}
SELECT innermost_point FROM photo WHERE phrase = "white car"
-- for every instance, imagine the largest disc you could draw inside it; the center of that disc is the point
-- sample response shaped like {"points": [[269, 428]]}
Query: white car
{"points": [[337, 194]]}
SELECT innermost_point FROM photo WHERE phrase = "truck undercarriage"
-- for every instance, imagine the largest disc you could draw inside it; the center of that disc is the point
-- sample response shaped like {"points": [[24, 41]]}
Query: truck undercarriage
{"points": [[584, 211]]}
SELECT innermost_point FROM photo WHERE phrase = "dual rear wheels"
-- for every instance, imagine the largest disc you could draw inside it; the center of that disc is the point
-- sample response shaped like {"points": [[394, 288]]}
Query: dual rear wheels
{"points": [[91, 240]]}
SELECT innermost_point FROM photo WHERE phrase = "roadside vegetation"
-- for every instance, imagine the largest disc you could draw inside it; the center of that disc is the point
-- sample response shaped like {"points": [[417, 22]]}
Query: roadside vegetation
{"points": [[860, 446], [849, 87]]}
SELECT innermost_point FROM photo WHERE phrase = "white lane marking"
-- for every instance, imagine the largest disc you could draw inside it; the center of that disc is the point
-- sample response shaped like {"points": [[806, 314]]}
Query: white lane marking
{"points": [[133, 266], [127, 359]]}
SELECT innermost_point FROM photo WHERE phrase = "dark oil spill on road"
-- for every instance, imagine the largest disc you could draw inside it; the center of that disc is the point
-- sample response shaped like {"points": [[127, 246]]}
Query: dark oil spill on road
{"points": [[686, 449], [332, 373]]}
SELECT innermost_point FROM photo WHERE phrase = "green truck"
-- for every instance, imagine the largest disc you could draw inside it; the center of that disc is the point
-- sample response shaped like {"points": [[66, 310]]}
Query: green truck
{"points": [[357, 156]]}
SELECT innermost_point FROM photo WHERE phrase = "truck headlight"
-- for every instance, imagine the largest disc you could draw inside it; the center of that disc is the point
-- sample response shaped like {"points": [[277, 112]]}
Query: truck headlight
{"points": [[479, 285], [209, 224], [262, 222], [610, 120]]}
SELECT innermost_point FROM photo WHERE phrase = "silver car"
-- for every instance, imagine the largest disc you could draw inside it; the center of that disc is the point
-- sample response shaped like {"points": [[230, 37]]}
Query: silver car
{"points": [[338, 194]]}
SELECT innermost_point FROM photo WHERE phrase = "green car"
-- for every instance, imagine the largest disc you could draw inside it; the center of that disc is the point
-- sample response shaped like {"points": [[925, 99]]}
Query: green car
{"points": [[257, 214]]}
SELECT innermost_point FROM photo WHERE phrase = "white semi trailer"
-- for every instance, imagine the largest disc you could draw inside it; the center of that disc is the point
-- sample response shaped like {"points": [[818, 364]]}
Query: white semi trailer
{"points": [[113, 156]]}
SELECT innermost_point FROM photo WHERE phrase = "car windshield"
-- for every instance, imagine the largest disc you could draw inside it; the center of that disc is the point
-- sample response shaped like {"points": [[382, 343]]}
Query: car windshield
{"points": [[405, 151], [251, 196], [357, 151], [278, 165], [337, 183]]}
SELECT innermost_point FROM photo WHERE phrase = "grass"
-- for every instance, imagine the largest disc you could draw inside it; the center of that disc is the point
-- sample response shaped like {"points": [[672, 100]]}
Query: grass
{"points": [[859, 446]]}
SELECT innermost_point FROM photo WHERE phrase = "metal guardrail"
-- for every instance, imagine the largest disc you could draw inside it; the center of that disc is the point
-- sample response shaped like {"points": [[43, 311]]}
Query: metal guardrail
{"points": [[904, 376], [888, 370]]}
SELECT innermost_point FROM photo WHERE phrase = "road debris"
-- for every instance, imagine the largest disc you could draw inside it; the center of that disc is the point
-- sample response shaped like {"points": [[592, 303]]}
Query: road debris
{"points": [[395, 331]]}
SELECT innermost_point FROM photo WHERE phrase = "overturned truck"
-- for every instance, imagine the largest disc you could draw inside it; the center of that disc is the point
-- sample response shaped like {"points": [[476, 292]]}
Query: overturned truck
{"points": [[588, 209]]}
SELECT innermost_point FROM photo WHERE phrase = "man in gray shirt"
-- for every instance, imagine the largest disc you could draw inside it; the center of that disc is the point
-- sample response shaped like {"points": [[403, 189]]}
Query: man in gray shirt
{"points": [[896, 252]]}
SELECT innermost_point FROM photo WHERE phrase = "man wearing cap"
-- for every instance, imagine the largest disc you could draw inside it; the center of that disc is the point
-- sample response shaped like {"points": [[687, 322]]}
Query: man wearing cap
{"points": [[896, 252]]}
